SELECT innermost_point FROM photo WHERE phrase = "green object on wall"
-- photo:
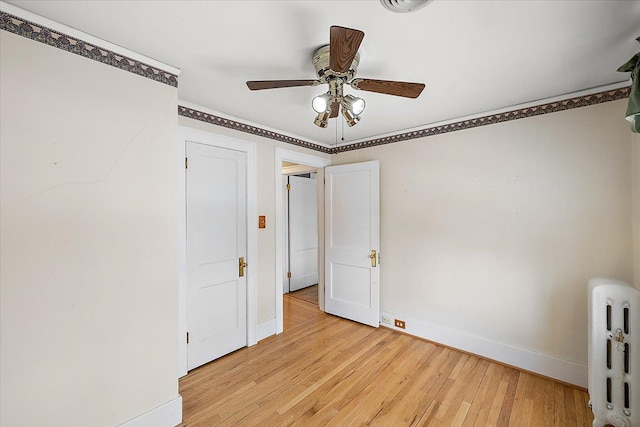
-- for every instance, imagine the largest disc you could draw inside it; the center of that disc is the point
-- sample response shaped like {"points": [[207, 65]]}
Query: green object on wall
{"points": [[633, 108]]}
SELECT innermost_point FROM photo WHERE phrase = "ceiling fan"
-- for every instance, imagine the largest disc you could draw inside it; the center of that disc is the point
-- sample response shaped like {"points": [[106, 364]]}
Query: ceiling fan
{"points": [[336, 65]]}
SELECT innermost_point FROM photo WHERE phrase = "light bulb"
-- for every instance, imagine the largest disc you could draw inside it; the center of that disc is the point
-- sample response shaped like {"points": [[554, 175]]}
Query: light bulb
{"points": [[353, 104], [321, 103], [358, 106]]}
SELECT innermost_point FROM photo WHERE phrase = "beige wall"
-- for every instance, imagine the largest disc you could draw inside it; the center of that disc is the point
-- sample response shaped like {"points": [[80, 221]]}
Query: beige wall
{"points": [[495, 231], [265, 205], [88, 239]]}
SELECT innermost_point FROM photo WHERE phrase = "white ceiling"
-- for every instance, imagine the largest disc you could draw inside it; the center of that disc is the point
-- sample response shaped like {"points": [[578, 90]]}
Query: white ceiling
{"points": [[474, 56]]}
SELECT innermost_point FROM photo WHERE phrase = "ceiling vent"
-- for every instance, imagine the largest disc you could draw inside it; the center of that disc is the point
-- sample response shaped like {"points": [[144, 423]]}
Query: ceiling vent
{"points": [[403, 6]]}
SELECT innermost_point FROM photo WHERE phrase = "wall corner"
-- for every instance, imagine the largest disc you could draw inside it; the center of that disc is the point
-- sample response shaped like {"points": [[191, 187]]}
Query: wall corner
{"points": [[635, 149]]}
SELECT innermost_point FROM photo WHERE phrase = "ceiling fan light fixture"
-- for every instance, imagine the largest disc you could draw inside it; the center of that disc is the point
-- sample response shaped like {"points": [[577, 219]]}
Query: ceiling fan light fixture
{"points": [[336, 65], [354, 104], [321, 103], [322, 119]]}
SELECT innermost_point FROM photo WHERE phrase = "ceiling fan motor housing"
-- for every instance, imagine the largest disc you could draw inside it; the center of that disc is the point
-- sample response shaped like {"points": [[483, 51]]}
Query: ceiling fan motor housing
{"points": [[321, 61]]}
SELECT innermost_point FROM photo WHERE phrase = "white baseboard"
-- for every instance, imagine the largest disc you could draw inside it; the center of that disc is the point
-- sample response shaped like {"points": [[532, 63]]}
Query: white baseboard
{"points": [[543, 364], [168, 414], [266, 329]]}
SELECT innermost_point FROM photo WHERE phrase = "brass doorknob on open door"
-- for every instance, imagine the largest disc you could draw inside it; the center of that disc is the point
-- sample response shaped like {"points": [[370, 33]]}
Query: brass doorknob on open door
{"points": [[241, 266], [374, 258]]}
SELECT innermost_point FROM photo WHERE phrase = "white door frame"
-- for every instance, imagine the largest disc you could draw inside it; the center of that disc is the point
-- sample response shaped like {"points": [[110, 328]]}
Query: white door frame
{"points": [[221, 141], [309, 160]]}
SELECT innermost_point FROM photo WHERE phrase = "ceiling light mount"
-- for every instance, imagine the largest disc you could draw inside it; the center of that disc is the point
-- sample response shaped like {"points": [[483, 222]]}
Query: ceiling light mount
{"points": [[321, 62]]}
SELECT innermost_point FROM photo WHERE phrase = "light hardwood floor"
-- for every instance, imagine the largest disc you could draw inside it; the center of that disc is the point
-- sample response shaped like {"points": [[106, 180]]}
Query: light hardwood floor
{"points": [[324, 370], [309, 294]]}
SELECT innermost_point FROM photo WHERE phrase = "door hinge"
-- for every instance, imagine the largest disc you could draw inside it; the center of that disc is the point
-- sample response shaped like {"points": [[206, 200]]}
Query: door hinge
{"points": [[289, 275], [187, 337], [288, 187], [186, 163]]}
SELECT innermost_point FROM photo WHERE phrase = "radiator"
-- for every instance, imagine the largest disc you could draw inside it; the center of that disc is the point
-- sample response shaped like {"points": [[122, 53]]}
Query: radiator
{"points": [[614, 353]]}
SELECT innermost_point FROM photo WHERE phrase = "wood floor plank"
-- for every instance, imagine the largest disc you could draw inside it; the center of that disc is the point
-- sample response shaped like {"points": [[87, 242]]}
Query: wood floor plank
{"points": [[304, 386], [489, 397], [584, 416], [493, 416], [543, 398], [394, 376], [519, 408], [413, 400], [513, 378], [353, 384], [308, 294], [324, 370], [458, 392]]}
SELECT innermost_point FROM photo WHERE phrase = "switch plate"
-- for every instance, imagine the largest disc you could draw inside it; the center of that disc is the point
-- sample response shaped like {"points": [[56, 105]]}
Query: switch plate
{"points": [[262, 221]]}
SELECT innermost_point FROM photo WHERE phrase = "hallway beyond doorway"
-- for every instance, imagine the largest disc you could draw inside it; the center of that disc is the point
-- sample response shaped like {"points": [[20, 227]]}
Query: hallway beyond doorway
{"points": [[308, 294]]}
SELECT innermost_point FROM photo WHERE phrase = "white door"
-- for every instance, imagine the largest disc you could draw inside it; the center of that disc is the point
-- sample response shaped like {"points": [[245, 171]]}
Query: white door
{"points": [[303, 232], [216, 240], [352, 242]]}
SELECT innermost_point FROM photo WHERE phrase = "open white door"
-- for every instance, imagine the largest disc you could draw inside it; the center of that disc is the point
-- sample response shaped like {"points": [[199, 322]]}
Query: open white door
{"points": [[352, 242], [216, 240], [303, 232]]}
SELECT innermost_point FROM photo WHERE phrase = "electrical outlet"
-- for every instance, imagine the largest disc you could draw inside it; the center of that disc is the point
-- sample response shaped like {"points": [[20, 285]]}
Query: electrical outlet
{"points": [[386, 320], [399, 324]]}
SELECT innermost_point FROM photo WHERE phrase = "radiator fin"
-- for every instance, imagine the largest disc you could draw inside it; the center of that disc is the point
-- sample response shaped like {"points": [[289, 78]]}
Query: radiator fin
{"points": [[626, 320]]}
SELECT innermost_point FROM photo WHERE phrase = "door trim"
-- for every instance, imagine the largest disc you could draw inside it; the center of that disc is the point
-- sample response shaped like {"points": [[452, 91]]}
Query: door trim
{"points": [[221, 141], [281, 155]]}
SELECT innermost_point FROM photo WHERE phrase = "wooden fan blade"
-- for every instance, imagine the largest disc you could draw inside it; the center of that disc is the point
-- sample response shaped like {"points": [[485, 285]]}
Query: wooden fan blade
{"points": [[343, 47], [274, 84], [335, 109], [388, 87]]}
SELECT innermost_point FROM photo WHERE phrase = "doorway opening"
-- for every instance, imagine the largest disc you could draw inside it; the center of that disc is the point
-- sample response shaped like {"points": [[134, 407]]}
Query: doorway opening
{"points": [[301, 229], [294, 163], [300, 234]]}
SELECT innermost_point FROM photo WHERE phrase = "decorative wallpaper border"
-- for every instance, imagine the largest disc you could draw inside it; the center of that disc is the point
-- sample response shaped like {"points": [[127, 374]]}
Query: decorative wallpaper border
{"points": [[24, 28], [42, 34], [522, 113], [254, 130]]}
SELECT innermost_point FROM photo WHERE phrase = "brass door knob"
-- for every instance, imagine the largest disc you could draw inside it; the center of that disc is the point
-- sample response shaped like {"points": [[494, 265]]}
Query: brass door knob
{"points": [[241, 266]]}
